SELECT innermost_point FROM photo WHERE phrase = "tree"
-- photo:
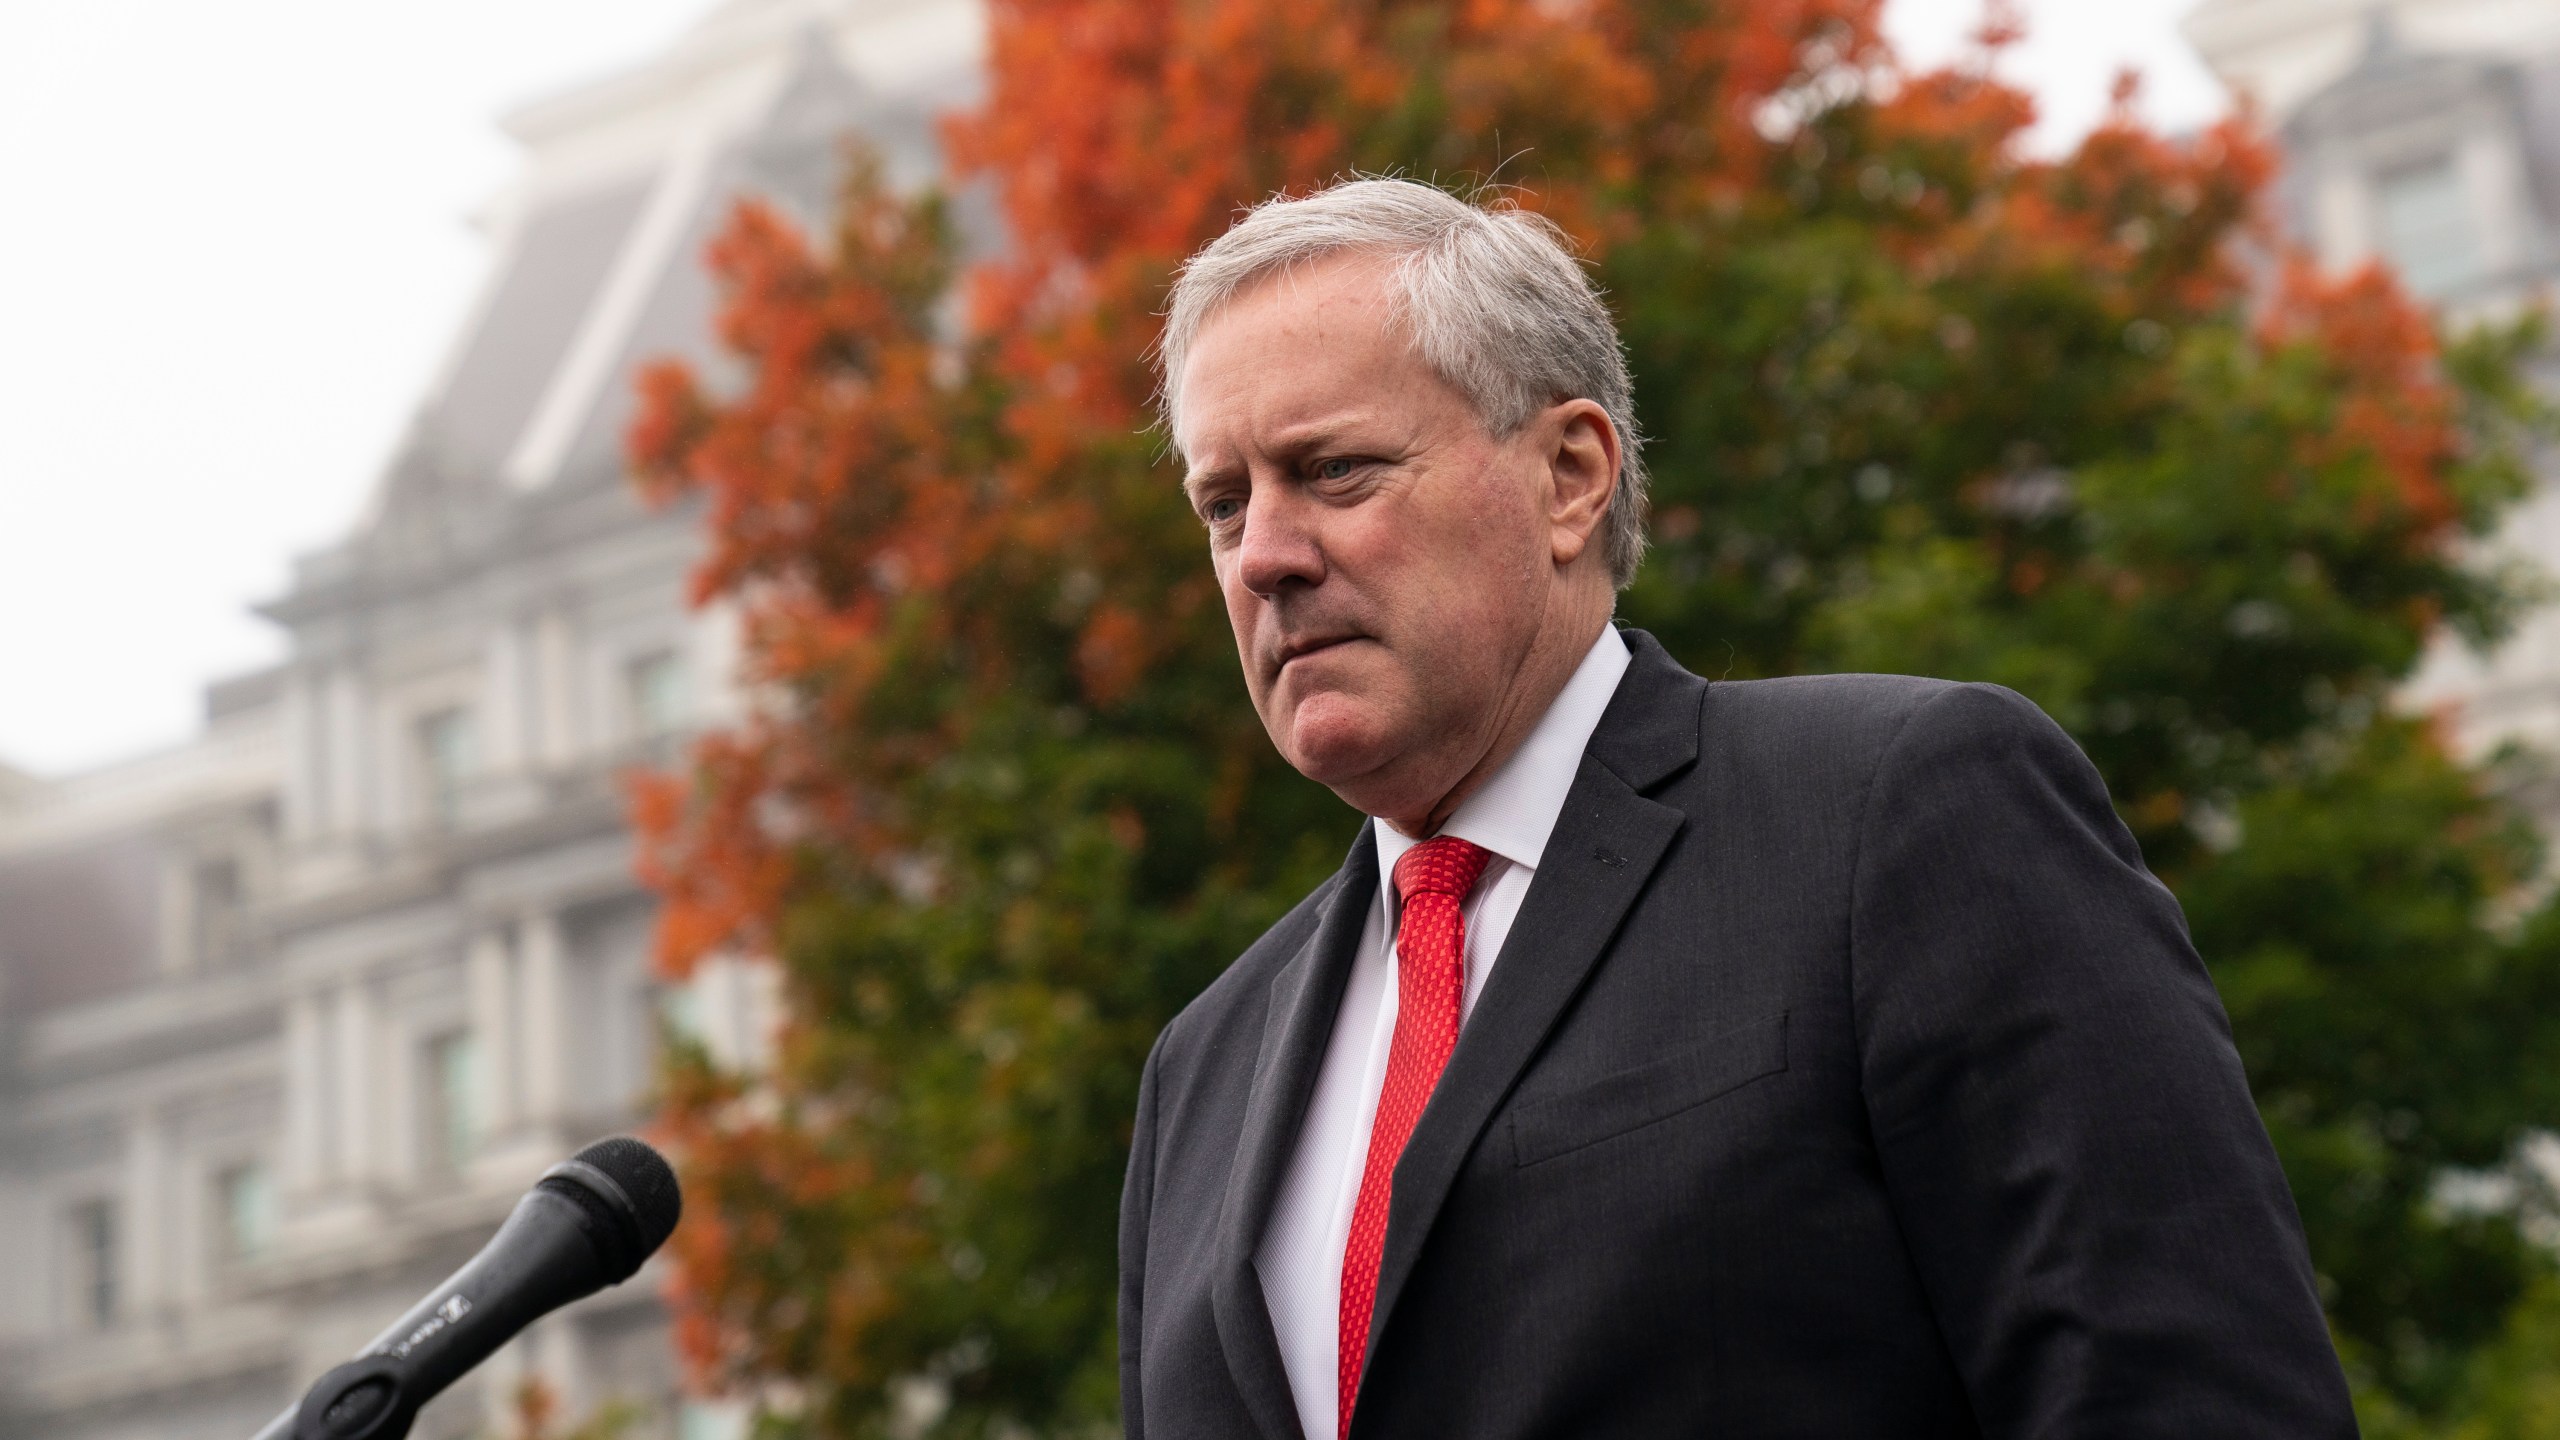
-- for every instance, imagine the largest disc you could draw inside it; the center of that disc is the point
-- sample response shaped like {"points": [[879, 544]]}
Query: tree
{"points": [[1003, 817], [1917, 402]]}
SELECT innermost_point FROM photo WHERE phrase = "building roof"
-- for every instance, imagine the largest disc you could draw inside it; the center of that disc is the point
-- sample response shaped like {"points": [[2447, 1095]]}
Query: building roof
{"points": [[599, 266], [2279, 53]]}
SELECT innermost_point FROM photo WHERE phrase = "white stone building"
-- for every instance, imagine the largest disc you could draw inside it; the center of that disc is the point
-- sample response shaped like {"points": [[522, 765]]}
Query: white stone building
{"points": [[2426, 133], [292, 1014]]}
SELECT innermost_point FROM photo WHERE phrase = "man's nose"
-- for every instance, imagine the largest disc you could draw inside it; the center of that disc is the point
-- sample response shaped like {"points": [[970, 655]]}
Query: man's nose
{"points": [[1279, 546]]}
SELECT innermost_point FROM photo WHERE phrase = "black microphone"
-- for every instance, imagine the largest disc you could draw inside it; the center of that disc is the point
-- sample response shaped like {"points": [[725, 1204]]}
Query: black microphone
{"points": [[588, 1223]]}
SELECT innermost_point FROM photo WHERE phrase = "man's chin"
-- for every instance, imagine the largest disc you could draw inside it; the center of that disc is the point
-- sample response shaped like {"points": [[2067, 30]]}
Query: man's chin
{"points": [[1335, 743]]}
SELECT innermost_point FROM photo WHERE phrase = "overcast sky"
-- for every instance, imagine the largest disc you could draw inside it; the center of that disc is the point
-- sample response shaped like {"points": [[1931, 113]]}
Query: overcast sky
{"points": [[236, 241]]}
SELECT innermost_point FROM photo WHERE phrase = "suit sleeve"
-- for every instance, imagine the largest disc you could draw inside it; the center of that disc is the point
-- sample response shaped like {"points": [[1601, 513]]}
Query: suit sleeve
{"points": [[1137, 1196], [2064, 1128]]}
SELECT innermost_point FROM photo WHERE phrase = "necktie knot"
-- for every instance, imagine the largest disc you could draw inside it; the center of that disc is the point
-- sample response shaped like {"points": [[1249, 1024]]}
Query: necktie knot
{"points": [[1442, 865]]}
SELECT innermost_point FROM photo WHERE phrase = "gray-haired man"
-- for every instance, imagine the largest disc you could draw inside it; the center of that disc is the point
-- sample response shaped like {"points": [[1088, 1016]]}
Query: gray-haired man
{"points": [[1805, 1057]]}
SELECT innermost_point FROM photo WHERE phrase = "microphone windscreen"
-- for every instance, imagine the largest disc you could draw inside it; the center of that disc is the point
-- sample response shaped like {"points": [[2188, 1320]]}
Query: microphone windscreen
{"points": [[645, 1177]]}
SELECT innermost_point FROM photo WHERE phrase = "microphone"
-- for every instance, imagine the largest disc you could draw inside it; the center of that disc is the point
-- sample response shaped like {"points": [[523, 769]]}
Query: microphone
{"points": [[588, 1223]]}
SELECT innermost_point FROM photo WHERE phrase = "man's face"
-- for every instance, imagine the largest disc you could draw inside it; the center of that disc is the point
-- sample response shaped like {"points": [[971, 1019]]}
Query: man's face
{"points": [[1385, 562]]}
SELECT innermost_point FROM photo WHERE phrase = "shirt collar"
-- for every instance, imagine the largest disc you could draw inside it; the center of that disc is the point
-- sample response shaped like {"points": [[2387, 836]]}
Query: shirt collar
{"points": [[1516, 809]]}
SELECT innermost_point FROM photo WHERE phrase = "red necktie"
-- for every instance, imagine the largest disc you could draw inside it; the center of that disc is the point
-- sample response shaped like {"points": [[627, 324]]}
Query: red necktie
{"points": [[1431, 977]]}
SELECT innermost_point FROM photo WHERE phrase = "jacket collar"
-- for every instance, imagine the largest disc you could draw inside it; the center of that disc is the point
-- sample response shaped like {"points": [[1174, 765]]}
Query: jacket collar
{"points": [[1298, 1022], [1650, 731]]}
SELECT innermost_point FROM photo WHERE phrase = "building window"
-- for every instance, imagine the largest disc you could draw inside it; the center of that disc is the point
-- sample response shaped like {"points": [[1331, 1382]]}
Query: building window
{"points": [[218, 904], [451, 1124], [655, 684], [679, 1012], [447, 756], [95, 1297], [245, 1205], [2426, 226], [711, 1420]]}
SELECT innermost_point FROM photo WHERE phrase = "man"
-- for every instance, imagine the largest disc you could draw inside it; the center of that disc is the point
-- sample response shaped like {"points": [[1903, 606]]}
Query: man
{"points": [[1802, 1057]]}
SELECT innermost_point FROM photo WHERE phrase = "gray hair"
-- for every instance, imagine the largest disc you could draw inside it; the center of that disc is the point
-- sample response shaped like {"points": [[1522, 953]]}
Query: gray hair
{"points": [[1494, 298]]}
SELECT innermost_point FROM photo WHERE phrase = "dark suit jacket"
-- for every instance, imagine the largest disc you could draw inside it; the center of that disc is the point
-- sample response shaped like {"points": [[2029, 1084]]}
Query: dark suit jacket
{"points": [[1844, 1074]]}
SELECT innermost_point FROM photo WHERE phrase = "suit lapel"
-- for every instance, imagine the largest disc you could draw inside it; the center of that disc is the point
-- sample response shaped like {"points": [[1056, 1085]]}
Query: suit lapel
{"points": [[1305, 996], [1598, 860]]}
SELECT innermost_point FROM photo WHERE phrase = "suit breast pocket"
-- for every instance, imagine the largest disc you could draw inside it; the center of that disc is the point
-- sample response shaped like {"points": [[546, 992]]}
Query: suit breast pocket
{"points": [[1657, 1090]]}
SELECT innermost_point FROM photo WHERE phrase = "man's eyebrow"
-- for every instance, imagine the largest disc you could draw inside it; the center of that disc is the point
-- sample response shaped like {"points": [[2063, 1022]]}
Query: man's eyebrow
{"points": [[1202, 477]]}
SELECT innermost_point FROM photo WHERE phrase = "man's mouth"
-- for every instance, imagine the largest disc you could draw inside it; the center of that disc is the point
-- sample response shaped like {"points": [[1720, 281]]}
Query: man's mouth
{"points": [[1297, 649]]}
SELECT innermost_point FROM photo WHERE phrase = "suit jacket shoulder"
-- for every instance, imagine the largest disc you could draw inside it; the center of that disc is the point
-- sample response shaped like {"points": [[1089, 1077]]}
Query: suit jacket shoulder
{"points": [[1818, 724]]}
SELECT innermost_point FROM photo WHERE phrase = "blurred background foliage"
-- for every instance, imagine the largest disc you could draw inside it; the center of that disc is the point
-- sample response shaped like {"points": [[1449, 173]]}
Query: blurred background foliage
{"points": [[1916, 402]]}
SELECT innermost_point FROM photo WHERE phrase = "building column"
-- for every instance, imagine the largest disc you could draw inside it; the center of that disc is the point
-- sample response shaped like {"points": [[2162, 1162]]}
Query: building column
{"points": [[306, 1109], [491, 973], [401, 1148], [2493, 179], [555, 688], [145, 1216], [350, 796], [503, 736], [359, 1145], [542, 967], [178, 900], [306, 750]]}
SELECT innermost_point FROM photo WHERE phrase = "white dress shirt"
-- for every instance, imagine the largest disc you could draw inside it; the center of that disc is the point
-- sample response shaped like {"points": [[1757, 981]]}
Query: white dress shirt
{"points": [[1300, 1261]]}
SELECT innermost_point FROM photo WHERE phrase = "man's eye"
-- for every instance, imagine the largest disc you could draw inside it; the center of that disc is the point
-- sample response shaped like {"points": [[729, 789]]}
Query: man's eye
{"points": [[1335, 469], [1222, 510]]}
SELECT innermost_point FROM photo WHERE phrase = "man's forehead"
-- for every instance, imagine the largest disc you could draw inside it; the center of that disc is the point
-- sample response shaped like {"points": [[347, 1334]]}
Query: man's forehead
{"points": [[1355, 277], [1291, 358], [1333, 305]]}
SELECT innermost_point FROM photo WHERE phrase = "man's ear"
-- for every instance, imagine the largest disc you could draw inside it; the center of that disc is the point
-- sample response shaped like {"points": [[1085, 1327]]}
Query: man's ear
{"points": [[1582, 474]]}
